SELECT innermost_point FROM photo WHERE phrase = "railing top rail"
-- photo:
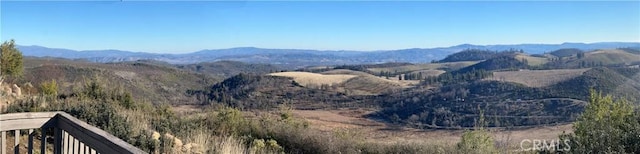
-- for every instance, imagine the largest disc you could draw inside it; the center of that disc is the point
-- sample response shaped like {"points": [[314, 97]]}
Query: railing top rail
{"points": [[26, 120], [27, 115]]}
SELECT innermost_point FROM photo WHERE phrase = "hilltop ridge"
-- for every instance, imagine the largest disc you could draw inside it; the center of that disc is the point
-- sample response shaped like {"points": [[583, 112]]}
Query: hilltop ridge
{"points": [[306, 57]]}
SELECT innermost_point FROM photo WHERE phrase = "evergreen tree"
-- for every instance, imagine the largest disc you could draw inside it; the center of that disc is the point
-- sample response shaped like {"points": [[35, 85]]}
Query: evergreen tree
{"points": [[10, 60], [580, 55]]}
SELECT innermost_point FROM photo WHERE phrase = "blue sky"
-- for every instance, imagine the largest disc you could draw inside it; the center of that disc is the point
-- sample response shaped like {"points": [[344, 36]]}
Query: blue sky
{"points": [[187, 26]]}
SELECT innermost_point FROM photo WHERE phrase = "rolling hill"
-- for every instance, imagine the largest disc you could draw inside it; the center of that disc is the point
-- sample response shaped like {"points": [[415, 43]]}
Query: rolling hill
{"points": [[367, 84], [227, 69], [532, 60], [607, 80], [420, 67], [314, 79], [247, 92], [568, 52], [346, 81], [457, 106], [601, 57], [537, 78], [301, 57], [469, 55], [149, 82], [609, 57], [505, 62]]}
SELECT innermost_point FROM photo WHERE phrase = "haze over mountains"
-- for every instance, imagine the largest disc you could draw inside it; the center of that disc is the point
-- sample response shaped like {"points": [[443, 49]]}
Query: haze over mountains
{"points": [[304, 57]]}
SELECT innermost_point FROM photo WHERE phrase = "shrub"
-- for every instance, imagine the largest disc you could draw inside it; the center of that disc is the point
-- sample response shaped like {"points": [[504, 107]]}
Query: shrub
{"points": [[227, 121], [605, 126], [49, 88], [270, 146], [477, 141]]}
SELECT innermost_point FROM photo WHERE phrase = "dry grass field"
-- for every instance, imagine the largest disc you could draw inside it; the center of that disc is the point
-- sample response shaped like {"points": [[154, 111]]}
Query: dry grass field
{"points": [[430, 72], [309, 79], [349, 81], [367, 84], [611, 56], [537, 78], [353, 123], [366, 78], [345, 71], [370, 85], [532, 61]]}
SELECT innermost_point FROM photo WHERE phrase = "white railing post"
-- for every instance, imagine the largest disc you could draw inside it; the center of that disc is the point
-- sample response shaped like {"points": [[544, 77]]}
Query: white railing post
{"points": [[4, 143]]}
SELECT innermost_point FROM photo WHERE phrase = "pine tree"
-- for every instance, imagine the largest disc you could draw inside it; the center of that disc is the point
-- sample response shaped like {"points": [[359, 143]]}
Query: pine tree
{"points": [[10, 59]]}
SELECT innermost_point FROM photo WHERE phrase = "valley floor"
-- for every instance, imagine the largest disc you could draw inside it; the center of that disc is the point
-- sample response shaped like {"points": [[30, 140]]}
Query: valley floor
{"points": [[353, 122]]}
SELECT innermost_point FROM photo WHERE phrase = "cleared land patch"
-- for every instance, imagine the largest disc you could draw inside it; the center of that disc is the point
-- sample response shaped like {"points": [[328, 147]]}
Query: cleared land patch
{"points": [[431, 66], [430, 72], [345, 71], [309, 79], [367, 84], [532, 61], [537, 78]]}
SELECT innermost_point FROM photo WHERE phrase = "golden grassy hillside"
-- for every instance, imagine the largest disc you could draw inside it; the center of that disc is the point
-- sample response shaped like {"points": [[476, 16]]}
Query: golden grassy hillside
{"points": [[346, 71], [367, 84], [311, 79], [611, 57], [347, 81], [532, 61]]}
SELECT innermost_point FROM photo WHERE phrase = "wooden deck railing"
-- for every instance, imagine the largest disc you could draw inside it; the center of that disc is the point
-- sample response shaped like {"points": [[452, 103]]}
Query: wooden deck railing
{"points": [[70, 135]]}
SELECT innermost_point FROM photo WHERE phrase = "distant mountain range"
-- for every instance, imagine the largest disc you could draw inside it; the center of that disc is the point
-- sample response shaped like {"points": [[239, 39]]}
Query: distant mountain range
{"points": [[302, 57]]}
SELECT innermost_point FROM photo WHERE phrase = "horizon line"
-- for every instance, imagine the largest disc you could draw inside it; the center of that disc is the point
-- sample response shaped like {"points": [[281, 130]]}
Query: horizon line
{"points": [[239, 47]]}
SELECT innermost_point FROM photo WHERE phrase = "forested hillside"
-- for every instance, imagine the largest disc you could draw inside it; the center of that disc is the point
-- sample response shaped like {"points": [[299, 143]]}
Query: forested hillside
{"points": [[245, 91], [469, 55], [506, 62], [619, 82], [567, 52], [154, 83], [229, 68]]}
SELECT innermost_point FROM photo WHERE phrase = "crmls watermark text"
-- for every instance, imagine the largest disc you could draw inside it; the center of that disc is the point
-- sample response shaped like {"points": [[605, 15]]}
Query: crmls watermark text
{"points": [[544, 145]]}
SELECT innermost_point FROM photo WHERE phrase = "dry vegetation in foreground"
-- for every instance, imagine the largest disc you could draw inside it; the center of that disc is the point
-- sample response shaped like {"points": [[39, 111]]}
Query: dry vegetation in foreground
{"points": [[307, 79], [537, 78]]}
